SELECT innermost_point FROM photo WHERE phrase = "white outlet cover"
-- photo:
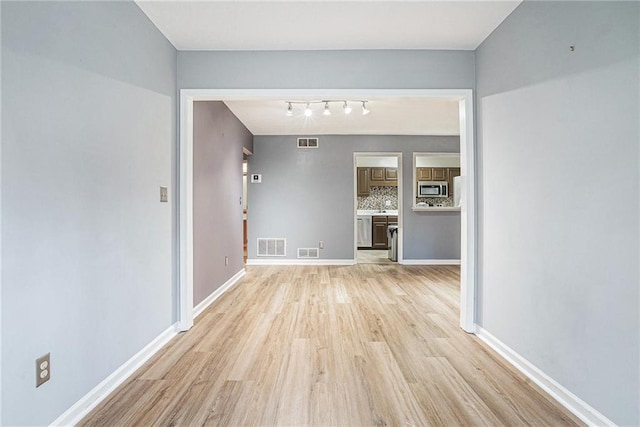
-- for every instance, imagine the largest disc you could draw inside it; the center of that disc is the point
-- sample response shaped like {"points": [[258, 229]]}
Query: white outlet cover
{"points": [[256, 178]]}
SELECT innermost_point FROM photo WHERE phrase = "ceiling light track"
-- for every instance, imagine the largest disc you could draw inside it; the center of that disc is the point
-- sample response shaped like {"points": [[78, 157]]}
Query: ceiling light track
{"points": [[346, 107]]}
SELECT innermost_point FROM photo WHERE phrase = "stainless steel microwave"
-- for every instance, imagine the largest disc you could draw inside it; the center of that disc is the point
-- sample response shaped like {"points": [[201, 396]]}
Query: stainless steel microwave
{"points": [[433, 189]]}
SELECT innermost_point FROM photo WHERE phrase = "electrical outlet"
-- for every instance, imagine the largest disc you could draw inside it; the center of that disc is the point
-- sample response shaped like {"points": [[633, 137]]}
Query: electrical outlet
{"points": [[321, 244], [43, 369], [226, 260], [164, 194]]}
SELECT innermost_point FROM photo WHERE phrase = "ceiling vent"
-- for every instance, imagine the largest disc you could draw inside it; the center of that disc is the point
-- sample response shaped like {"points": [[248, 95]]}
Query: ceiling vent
{"points": [[307, 142], [308, 253], [272, 247]]}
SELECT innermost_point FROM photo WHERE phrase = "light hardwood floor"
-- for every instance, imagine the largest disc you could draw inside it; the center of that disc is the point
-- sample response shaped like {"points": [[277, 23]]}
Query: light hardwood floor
{"points": [[346, 346]]}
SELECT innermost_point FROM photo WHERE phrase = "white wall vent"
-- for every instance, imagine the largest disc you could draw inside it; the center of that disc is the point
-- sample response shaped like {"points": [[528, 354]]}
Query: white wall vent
{"points": [[308, 253], [272, 246], [307, 142]]}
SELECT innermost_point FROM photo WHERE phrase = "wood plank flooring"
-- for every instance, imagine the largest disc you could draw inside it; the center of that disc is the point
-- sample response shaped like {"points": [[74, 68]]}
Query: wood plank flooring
{"points": [[365, 345]]}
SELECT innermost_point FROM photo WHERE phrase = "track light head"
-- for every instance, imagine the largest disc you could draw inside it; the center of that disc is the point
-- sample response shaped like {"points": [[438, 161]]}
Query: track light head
{"points": [[290, 110], [347, 109], [307, 111], [326, 111], [365, 110]]}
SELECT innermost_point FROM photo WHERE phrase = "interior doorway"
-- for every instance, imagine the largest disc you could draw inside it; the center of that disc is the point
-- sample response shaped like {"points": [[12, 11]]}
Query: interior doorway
{"points": [[377, 207], [464, 98]]}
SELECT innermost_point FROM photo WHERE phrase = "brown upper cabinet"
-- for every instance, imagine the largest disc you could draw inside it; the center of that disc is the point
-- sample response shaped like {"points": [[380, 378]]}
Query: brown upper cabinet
{"points": [[391, 174], [431, 174], [363, 182], [383, 177], [438, 174], [424, 174], [377, 174]]}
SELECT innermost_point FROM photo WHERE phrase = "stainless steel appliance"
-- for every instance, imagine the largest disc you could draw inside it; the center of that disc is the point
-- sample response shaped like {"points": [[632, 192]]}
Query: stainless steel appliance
{"points": [[364, 231], [433, 189]]}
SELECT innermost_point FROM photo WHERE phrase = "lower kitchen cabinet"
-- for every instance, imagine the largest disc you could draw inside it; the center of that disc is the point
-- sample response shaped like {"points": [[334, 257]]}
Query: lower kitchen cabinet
{"points": [[379, 226], [379, 232]]}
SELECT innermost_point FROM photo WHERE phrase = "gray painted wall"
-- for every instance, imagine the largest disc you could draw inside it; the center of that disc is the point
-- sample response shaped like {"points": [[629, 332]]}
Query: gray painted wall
{"points": [[218, 139], [557, 131], [370, 69], [88, 136], [308, 195]]}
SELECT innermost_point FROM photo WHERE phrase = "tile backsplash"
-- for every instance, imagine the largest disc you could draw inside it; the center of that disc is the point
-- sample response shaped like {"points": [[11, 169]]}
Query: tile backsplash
{"points": [[444, 201], [377, 198]]}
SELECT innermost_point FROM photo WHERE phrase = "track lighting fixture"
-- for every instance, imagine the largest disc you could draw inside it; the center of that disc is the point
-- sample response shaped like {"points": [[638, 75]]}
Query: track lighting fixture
{"points": [[365, 110], [308, 112]]}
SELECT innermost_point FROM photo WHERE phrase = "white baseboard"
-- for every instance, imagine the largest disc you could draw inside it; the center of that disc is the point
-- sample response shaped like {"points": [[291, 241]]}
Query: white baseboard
{"points": [[430, 262], [567, 399], [271, 261], [198, 309], [82, 407]]}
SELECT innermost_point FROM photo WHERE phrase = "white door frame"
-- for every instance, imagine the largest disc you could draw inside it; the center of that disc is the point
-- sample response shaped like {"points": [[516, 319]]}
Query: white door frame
{"points": [[185, 184], [398, 156]]}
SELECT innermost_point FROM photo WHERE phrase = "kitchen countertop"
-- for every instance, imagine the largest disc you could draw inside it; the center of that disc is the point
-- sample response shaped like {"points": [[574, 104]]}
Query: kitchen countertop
{"points": [[436, 209], [377, 212]]}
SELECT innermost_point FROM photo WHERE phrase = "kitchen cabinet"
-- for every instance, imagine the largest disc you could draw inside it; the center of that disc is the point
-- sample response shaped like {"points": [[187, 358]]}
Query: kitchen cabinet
{"points": [[377, 174], [452, 173], [423, 174], [379, 226], [384, 177], [379, 232], [391, 174], [434, 174], [363, 181], [438, 174]]}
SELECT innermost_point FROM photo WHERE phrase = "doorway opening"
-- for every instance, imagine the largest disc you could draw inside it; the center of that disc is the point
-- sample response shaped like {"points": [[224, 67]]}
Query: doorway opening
{"points": [[377, 207], [464, 98]]}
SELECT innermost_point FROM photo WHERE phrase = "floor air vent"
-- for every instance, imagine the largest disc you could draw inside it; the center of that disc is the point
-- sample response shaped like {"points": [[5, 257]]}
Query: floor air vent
{"points": [[307, 142], [272, 247], [308, 252]]}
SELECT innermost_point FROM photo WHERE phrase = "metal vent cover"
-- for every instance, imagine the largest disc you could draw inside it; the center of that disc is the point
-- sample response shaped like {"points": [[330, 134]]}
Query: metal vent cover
{"points": [[308, 142], [308, 253], [272, 246]]}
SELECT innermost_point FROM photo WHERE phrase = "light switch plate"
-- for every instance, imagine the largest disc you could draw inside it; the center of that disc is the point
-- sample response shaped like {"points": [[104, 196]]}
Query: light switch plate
{"points": [[164, 194], [256, 178]]}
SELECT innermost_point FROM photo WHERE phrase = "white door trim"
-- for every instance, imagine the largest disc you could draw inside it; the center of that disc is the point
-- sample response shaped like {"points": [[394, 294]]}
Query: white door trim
{"points": [[185, 185]]}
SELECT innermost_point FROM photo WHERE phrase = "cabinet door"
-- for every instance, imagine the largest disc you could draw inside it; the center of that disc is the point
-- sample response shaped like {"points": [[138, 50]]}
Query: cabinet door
{"points": [[423, 174], [377, 174], [392, 220], [391, 174], [379, 232], [363, 181], [438, 174], [453, 172]]}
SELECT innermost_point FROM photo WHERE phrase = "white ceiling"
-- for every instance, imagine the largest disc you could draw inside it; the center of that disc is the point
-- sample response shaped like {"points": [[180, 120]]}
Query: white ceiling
{"points": [[326, 24], [396, 116], [333, 24]]}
